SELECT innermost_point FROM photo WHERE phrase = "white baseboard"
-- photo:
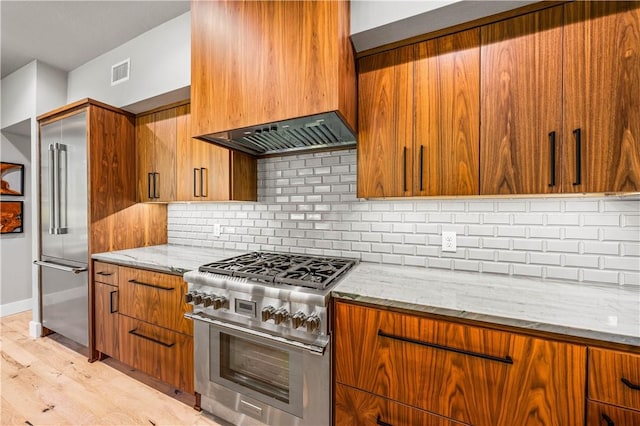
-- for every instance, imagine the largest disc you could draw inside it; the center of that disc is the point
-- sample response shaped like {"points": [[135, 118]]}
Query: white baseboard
{"points": [[16, 307]]}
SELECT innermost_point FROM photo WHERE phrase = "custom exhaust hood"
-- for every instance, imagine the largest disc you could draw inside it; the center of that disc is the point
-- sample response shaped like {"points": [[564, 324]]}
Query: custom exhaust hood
{"points": [[320, 131], [273, 78]]}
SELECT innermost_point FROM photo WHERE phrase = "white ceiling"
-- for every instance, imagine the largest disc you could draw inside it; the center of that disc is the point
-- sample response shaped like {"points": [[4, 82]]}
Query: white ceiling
{"points": [[67, 34]]}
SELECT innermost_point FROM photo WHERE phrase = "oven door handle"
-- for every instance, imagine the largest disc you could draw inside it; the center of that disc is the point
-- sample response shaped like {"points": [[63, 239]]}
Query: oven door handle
{"points": [[314, 349]]}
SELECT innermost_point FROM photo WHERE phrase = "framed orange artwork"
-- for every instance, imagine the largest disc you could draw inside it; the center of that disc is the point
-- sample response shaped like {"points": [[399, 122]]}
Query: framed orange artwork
{"points": [[11, 217], [12, 179]]}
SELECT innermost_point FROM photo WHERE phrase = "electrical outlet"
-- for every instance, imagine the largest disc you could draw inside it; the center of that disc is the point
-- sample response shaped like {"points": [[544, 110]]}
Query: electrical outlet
{"points": [[449, 241], [216, 229]]}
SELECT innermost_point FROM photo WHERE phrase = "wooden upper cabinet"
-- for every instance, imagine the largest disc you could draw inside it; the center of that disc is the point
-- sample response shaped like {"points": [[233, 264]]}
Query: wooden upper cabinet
{"points": [[447, 115], [385, 145], [601, 97], [521, 104], [156, 135], [256, 62], [207, 172]]}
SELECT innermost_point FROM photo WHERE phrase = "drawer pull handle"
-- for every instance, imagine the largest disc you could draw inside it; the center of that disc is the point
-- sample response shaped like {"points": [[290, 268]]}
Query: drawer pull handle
{"points": [[104, 274], [506, 360], [159, 287], [135, 332], [629, 384], [381, 423], [608, 420]]}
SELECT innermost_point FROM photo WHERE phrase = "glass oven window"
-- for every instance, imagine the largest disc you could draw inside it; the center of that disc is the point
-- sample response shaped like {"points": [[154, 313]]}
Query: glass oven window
{"points": [[254, 366]]}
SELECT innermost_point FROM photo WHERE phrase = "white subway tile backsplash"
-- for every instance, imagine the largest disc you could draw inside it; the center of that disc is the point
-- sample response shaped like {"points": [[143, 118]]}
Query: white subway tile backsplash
{"points": [[307, 203]]}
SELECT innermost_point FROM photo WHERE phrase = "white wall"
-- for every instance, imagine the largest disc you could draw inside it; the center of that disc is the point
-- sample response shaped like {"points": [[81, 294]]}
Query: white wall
{"points": [[15, 249], [19, 95], [51, 88], [160, 63], [378, 22]]}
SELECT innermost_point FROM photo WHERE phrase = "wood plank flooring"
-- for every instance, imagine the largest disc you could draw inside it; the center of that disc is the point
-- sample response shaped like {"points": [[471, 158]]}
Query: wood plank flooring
{"points": [[45, 382]]}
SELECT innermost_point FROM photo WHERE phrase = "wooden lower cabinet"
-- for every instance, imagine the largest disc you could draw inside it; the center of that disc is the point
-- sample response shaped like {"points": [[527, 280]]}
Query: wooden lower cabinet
{"points": [[155, 297], [355, 407], [162, 353], [106, 311], [614, 378], [610, 415], [469, 374]]}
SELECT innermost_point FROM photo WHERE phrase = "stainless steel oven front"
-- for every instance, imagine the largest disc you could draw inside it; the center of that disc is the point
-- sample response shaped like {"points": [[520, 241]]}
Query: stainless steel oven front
{"points": [[248, 377]]}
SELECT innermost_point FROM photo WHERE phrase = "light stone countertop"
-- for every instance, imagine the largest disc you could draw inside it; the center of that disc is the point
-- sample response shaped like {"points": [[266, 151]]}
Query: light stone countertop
{"points": [[169, 258], [603, 312]]}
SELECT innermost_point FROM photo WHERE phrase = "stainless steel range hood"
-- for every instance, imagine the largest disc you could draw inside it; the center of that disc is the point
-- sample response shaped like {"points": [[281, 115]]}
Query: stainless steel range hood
{"points": [[321, 131]]}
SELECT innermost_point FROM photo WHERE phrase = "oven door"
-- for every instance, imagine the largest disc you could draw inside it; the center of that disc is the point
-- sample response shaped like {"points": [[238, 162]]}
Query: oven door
{"points": [[249, 373]]}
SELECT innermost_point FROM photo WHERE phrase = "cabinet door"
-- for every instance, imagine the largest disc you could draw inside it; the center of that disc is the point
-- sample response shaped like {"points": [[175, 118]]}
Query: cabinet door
{"points": [[188, 181], [214, 172], [447, 115], [602, 97], [385, 140], [161, 353], [610, 415], [354, 407], [521, 89], [469, 374], [144, 156], [244, 177], [165, 135], [155, 298], [106, 312]]}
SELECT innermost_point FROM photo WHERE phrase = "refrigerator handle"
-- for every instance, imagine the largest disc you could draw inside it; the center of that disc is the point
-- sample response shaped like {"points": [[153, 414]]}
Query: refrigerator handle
{"points": [[75, 270], [61, 191], [52, 189]]}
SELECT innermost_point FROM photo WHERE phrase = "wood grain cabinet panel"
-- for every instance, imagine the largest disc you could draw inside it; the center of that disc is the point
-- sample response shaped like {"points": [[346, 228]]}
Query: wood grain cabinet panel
{"points": [[256, 62], [355, 407], [156, 136], [447, 115], [385, 144], [419, 119], [521, 103], [601, 97], [614, 377], [106, 273], [609, 415], [106, 324], [157, 351], [208, 172], [155, 298], [468, 374]]}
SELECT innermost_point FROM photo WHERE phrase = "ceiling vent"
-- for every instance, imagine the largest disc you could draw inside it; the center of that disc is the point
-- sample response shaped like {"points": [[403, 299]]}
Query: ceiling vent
{"points": [[120, 72]]}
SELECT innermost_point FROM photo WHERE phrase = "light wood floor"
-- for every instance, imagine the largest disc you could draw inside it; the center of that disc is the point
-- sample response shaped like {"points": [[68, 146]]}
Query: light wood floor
{"points": [[45, 382]]}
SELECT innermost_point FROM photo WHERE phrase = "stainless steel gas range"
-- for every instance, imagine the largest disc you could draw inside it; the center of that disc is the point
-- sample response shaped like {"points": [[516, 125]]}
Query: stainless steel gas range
{"points": [[261, 337]]}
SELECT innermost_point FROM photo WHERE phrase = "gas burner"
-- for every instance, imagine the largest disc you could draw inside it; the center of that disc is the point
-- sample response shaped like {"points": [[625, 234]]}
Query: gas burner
{"points": [[283, 268]]}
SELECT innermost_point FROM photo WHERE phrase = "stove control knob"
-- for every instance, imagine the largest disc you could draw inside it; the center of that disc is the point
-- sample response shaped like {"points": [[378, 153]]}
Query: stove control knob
{"points": [[188, 297], [268, 313], [312, 323], [220, 302], [208, 301], [298, 319], [197, 299], [281, 315]]}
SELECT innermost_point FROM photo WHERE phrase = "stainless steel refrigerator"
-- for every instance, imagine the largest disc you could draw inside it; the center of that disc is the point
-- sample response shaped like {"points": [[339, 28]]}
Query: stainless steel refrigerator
{"points": [[64, 291]]}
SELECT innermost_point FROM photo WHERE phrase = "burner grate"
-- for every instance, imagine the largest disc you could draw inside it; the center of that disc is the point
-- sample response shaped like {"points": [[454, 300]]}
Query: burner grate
{"points": [[283, 268]]}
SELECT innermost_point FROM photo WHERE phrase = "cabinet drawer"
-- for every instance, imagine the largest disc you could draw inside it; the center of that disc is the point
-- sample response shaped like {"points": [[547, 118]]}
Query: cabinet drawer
{"points": [[161, 353], [354, 407], [105, 273], [469, 374], [614, 377], [155, 298], [608, 415]]}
